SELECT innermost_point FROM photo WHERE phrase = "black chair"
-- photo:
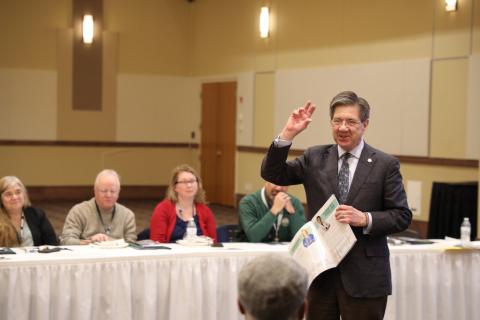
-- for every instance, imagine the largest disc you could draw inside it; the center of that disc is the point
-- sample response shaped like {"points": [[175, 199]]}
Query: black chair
{"points": [[144, 234], [228, 233]]}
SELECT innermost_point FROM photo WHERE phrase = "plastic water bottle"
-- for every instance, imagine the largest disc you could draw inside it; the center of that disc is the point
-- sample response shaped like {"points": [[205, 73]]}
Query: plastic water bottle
{"points": [[191, 230], [465, 230]]}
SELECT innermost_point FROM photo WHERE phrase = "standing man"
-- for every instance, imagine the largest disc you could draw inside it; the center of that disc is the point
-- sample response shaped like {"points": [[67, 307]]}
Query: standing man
{"points": [[372, 199], [270, 214], [100, 218]]}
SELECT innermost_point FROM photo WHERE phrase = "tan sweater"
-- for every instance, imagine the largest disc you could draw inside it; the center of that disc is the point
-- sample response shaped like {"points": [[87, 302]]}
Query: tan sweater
{"points": [[83, 222]]}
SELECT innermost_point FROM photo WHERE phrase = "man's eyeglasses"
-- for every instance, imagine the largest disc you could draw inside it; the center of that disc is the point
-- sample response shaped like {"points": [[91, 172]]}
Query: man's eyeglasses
{"points": [[186, 182], [350, 123]]}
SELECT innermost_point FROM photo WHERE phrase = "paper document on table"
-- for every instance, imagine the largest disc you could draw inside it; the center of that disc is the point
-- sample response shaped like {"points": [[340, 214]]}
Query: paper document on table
{"points": [[322, 242]]}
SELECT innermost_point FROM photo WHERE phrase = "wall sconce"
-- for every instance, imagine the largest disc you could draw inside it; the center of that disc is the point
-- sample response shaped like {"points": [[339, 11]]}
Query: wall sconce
{"points": [[87, 29], [264, 22], [450, 5]]}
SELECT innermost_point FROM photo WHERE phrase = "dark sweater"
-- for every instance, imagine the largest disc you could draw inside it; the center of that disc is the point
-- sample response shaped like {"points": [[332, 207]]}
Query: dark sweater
{"points": [[42, 231]]}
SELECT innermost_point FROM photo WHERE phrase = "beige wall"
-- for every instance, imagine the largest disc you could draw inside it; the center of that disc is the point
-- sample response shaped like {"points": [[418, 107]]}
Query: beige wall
{"points": [[77, 166], [223, 36], [429, 174], [249, 181], [154, 35], [28, 32], [163, 50]]}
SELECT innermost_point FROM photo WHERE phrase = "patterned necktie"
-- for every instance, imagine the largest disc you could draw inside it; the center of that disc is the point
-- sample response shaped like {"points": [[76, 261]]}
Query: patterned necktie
{"points": [[343, 175]]}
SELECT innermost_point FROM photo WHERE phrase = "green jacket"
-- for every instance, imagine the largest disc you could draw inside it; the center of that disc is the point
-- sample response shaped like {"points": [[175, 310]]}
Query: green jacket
{"points": [[256, 220]]}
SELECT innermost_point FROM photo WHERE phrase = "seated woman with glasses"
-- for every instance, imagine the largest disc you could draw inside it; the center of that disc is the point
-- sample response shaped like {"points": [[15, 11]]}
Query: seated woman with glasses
{"points": [[185, 200], [20, 223]]}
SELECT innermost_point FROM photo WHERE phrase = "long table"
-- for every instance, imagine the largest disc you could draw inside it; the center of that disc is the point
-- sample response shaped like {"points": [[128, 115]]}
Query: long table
{"points": [[201, 282]]}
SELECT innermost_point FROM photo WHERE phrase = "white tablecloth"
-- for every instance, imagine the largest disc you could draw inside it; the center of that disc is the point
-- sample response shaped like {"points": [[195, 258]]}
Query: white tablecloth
{"points": [[201, 283], [431, 283]]}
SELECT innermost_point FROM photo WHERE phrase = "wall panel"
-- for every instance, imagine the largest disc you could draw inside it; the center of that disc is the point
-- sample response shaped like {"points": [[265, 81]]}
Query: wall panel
{"points": [[449, 108], [157, 108], [28, 105], [398, 93]]}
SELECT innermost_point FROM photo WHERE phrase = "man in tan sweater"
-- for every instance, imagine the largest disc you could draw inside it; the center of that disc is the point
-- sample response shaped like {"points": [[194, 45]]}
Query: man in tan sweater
{"points": [[100, 218]]}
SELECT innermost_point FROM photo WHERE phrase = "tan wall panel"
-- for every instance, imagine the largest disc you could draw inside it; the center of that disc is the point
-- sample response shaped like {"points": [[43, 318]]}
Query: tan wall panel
{"points": [[28, 32], [149, 166], [264, 109], [429, 174], [157, 108], [51, 166], [449, 106], [249, 179], [28, 104], [452, 30], [154, 36]]}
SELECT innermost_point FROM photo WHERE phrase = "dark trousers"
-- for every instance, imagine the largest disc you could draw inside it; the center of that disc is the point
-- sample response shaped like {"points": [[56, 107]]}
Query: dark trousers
{"points": [[328, 300]]}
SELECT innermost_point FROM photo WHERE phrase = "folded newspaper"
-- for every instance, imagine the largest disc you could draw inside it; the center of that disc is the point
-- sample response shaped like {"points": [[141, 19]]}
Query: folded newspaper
{"points": [[322, 242]]}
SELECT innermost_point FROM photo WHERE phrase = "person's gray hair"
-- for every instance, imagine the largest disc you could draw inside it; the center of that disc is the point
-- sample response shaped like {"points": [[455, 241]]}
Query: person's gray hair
{"points": [[12, 181], [272, 287], [107, 172], [350, 98]]}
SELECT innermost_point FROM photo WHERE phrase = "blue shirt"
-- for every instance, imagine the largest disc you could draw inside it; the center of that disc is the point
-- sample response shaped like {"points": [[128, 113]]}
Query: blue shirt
{"points": [[181, 227]]}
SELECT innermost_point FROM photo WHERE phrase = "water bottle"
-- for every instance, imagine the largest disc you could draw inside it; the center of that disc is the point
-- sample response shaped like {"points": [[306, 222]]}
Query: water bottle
{"points": [[465, 230], [191, 230]]}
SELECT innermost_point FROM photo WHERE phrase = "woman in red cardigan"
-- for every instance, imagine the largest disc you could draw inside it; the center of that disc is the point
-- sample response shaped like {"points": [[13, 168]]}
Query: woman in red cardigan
{"points": [[185, 199]]}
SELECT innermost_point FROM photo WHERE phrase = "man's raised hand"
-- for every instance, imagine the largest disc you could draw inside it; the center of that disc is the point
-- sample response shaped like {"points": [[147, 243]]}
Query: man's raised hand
{"points": [[298, 121]]}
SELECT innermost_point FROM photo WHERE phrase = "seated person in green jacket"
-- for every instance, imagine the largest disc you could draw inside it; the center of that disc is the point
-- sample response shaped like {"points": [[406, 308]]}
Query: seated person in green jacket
{"points": [[270, 215]]}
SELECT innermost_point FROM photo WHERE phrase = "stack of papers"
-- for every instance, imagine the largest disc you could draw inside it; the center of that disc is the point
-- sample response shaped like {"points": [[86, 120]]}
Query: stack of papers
{"points": [[113, 244], [196, 241]]}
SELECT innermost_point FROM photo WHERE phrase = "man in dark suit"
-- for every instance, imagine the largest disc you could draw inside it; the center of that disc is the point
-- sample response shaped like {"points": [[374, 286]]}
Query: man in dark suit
{"points": [[369, 187]]}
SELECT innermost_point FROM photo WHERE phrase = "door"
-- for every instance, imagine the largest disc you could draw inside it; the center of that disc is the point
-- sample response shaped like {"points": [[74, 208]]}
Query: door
{"points": [[217, 146]]}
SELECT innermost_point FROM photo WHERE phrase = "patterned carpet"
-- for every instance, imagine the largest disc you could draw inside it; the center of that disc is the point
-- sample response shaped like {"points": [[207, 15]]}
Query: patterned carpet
{"points": [[57, 211]]}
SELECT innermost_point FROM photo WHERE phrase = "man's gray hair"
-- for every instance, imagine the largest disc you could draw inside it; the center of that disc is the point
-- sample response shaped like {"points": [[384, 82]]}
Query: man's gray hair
{"points": [[350, 98], [272, 287], [107, 172]]}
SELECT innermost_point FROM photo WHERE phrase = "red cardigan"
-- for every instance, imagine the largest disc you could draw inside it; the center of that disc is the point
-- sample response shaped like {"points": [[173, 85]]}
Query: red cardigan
{"points": [[163, 219]]}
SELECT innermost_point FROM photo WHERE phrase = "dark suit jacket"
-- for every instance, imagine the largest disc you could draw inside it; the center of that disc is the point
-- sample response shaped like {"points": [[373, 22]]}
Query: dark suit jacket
{"points": [[42, 231], [376, 188]]}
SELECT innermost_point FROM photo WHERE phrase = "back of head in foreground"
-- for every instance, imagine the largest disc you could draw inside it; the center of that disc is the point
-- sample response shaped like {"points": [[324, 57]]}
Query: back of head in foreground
{"points": [[272, 287]]}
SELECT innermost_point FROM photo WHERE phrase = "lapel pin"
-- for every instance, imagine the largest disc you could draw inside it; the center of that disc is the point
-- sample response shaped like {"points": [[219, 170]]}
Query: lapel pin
{"points": [[369, 160]]}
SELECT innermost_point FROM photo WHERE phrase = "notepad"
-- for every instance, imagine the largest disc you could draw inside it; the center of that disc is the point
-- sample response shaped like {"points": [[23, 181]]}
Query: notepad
{"points": [[147, 245], [5, 250]]}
